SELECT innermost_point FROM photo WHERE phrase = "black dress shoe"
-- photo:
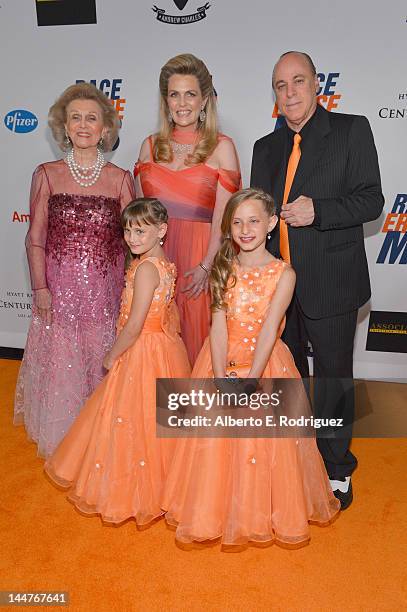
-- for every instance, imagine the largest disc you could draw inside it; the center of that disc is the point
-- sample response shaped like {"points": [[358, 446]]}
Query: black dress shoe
{"points": [[342, 489]]}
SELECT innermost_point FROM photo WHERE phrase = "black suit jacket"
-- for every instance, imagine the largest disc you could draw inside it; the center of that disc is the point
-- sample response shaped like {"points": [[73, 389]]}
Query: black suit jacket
{"points": [[339, 170]]}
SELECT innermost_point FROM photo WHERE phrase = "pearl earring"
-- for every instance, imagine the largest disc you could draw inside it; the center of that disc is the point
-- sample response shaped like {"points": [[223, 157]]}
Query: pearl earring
{"points": [[268, 235], [162, 241]]}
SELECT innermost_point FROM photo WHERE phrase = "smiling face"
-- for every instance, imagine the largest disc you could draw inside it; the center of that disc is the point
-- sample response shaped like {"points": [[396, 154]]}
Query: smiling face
{"points": [[250, 225], [295, 87], [184, 100], [143, 239], [84, 123]]}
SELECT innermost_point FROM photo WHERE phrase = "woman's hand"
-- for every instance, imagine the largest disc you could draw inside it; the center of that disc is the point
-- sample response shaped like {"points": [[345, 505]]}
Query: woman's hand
{"points": [[108, 361], [43, 304], [198, 282]]}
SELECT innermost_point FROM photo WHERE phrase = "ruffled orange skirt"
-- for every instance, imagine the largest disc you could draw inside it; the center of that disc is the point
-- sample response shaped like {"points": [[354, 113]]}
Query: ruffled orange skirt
{"points": [[111, 459], [245, 490]]}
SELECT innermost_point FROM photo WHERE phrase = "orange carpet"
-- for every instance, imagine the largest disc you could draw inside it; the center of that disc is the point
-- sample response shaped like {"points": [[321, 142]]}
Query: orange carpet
{"points": [[358, 563]]}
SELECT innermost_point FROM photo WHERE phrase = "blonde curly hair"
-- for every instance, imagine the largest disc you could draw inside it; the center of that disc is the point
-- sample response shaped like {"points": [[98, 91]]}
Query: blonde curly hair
{"points": [[83, 91]]}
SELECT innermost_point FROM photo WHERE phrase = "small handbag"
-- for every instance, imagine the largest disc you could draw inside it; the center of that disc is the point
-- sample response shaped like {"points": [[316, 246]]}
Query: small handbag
{"points": [[235, 370]]}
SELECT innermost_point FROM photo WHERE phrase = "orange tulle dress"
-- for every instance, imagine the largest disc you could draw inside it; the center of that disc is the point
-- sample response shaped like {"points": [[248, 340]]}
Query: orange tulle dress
{"points": [[111, 458], [245, 490], [189, 196]]}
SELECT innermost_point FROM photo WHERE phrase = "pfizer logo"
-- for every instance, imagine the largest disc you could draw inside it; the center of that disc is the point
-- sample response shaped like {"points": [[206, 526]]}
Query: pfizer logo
{"points": [[20, 121]]}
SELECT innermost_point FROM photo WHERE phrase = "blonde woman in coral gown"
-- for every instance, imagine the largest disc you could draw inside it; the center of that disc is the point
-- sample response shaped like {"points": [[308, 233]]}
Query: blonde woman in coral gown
{"points": [[111, 459], [248, 489], [193, 170]]}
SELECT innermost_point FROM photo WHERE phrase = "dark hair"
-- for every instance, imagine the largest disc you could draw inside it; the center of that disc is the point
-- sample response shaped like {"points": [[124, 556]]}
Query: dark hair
{"points": [[142, 210]]}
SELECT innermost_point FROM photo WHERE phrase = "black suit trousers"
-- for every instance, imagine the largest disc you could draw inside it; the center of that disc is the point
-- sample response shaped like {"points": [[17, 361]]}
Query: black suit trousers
{"points": [[332, 341]]}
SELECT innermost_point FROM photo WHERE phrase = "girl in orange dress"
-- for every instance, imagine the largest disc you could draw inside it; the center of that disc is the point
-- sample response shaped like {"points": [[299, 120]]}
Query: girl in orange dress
{"points": [[193, 169], [245, 489], [110, 458]]}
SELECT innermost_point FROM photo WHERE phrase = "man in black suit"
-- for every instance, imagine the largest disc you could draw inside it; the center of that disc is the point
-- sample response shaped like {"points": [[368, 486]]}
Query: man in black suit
{"points": [[336, 188]]}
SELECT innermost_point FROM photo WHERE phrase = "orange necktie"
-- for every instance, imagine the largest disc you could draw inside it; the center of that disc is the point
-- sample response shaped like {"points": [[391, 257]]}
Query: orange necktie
{"points": [[291, 170]]}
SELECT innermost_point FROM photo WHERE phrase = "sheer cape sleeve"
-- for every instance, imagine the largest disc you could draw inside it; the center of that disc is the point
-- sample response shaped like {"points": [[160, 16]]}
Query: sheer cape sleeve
{"points": [[137, 168], [128, 190], [36, 238], [230, 180], [229, 176]]}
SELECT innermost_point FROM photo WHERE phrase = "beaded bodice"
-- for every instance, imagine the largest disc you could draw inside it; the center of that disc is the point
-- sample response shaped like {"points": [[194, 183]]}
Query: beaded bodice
{"points": [[248, 301], [163, 295]]}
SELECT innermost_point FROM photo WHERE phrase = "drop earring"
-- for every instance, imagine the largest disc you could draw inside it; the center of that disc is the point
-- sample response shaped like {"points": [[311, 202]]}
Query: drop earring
{"points": [[162, 241], [100, 146], [268, 235], [202, 115], [67, 141]]}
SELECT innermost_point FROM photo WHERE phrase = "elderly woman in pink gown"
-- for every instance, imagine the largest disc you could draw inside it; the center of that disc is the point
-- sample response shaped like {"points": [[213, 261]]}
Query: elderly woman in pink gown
{"points": [[75, 253]]}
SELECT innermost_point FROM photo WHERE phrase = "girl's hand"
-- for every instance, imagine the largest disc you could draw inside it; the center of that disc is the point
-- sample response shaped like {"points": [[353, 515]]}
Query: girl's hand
{"points": [[108, 361], [43, 304], [240, 386], [225, 385], [198, 282]]}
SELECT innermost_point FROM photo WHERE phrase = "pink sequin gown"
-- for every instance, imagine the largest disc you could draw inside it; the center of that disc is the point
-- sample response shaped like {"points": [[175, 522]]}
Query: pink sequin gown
{"points": [[75, 248]]}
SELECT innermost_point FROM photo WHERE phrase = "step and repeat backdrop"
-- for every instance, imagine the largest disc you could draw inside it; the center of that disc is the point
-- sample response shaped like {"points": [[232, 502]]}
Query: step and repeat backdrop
{"points": [[359, 51]]}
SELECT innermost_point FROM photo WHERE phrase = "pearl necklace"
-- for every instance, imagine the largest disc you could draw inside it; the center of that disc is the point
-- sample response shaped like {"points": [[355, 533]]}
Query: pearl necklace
{"points": [[180, 149], [81, 174]]}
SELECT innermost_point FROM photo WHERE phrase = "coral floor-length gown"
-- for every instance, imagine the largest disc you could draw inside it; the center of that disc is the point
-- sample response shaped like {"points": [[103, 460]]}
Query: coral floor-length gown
{"points": [[189, 196]]}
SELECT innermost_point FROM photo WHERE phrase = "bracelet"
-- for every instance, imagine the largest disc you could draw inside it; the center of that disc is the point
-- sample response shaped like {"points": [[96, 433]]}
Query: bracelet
{"points": [[39, 288], [202, 265]]}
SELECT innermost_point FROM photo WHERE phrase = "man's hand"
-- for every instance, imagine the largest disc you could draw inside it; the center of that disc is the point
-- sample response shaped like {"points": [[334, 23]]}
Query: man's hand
{"points": [[298, 213]]}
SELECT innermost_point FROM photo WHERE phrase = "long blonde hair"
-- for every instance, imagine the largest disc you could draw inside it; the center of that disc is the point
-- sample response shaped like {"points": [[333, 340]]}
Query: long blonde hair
{"points": [[187, 64], [222, 276]]}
